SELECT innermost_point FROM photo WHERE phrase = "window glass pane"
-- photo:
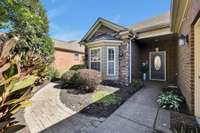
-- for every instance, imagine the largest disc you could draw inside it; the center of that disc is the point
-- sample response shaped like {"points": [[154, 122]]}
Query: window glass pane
{"points": [[95, 58], [111, 54], [95, 66], [111, 68]]}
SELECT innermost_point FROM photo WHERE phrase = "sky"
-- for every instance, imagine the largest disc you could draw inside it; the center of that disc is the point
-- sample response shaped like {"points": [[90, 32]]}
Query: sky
{"points": [[71, 19]]}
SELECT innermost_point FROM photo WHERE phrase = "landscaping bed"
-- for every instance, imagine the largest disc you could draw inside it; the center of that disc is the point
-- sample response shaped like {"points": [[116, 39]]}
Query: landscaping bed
{"points": [[100, 103]]}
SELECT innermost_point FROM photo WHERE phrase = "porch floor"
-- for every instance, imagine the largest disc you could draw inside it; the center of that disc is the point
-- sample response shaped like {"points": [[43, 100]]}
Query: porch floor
{"points": [[140, 114]]}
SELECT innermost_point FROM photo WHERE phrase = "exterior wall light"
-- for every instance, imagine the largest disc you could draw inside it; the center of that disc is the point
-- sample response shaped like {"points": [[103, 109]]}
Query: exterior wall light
{"points": [[183, 40]]}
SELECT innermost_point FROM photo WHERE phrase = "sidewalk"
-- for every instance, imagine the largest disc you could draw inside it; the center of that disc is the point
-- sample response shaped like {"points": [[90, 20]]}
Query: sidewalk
{"points": [[140, 114]]}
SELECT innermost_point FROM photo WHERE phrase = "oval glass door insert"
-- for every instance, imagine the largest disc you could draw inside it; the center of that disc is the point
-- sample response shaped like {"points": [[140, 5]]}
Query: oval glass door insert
{"points": [[157, 63]]}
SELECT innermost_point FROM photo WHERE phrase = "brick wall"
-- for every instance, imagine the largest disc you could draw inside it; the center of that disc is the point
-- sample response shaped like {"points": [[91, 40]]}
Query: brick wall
{"points": [[64, 60], [186, 56], [124, 63], [167, 44]]}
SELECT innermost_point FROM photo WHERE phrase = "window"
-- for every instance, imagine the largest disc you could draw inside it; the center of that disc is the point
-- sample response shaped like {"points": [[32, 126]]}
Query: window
{"points": [[111, 61], [95, 59], [76, 56]]}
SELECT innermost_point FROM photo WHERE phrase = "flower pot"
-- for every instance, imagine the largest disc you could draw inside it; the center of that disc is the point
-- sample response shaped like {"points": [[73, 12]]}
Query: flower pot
{"points": [[144, 76]]}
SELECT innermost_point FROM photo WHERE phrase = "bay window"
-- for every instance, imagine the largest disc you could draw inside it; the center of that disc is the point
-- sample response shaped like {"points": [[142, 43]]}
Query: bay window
{"points": [[110, 61], [95, 59]]}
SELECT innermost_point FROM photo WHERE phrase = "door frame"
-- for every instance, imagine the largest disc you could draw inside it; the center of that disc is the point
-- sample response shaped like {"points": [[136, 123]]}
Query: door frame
{"points": [[165, 65]]}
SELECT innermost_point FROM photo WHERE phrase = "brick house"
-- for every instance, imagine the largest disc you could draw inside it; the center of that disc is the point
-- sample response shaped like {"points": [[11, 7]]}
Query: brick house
{"points": [[185, 17], [119, 52], [67, 54]]}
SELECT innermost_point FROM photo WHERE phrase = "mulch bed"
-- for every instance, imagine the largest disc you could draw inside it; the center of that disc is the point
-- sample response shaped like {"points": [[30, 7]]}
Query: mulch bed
{"points": [[80, 101]]}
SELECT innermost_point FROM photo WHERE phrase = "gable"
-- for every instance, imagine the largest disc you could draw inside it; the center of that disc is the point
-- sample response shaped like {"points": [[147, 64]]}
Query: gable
{"points": [[101, 27], [104, 32]]}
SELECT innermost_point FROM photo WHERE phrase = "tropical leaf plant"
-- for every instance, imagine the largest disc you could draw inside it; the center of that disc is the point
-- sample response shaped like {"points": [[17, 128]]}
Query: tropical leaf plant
{"points": [[15, 86]]}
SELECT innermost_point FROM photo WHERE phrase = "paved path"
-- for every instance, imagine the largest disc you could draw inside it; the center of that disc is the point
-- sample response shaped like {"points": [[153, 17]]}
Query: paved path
{"points": [[47, 114], [46, 109], [140, 114]]}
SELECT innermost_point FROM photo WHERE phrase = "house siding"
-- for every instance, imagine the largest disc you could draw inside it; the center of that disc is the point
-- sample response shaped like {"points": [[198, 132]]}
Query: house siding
{"points": [[186, 56]]}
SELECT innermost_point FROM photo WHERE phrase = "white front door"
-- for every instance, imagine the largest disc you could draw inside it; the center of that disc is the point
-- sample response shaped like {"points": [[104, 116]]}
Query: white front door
{"points": [[197, 67]]}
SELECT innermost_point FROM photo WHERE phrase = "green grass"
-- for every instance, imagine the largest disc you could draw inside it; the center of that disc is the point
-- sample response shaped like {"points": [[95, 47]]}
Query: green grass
{"points": [[106, 97]]}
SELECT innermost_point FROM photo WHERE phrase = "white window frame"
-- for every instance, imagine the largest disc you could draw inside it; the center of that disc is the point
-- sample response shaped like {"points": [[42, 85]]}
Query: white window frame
{"points": [[114, 61], [91, 58]]}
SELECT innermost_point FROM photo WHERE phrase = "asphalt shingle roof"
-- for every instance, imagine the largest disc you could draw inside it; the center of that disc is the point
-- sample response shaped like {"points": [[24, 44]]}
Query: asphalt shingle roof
{"points": [[73, 46], [152, 23]]}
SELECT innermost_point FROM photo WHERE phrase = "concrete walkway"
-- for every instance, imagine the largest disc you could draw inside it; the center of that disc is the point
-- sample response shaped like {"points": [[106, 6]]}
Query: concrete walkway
{"points": [[48, 115], [140, 114], [46, 109]]}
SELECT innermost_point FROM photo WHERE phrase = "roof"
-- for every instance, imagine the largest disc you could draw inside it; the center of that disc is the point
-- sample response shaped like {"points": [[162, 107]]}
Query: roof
{"points": [[102, 21], [72, 46], [152, 23]]}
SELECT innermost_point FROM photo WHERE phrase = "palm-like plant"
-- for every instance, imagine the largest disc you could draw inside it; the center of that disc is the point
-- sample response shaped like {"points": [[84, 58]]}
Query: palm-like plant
{"points": [[15, 86]]}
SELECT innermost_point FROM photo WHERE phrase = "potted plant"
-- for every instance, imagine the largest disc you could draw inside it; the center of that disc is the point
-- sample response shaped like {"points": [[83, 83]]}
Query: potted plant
{"points": [[144, 70]]}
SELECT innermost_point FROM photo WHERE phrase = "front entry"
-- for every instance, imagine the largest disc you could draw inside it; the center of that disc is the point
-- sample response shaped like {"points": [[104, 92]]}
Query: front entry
{"points": [[157, 65]]}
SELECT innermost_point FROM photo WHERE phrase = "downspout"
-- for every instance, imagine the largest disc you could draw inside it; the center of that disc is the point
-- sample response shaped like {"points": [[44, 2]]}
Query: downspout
{"points": [[130, 58]]}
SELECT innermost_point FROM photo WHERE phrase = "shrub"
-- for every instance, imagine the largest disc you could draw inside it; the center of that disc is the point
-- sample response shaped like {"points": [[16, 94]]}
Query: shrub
{"points": [[136, 84], [53, 74], [71, 79], [84, 79], [169, 100], [78, 67], [90, 79]]}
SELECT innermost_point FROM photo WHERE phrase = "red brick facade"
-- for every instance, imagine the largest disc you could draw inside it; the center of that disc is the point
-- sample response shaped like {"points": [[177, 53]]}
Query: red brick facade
{"points": [[186, 55], [64, 59]]}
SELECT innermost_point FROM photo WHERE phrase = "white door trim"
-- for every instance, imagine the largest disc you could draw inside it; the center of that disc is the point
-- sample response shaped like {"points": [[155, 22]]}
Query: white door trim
{"points": [[165, 65]]}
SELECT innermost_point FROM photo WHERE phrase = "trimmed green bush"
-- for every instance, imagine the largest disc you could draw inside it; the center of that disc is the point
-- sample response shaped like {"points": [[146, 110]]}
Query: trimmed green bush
{"points": [[71, 79], [78, 67], [53, 74], [136, 84]]}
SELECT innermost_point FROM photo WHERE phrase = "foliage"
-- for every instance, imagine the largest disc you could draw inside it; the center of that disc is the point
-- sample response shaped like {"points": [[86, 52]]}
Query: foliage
{"points": [[186, 129], [84, 79], [15, 86], [90, 79], [106, 97], [71, 79], [169, 100], [53, 74], [136, 84], [27, 19], [34, 64], [78, 67]]}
